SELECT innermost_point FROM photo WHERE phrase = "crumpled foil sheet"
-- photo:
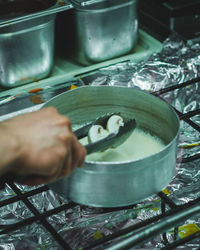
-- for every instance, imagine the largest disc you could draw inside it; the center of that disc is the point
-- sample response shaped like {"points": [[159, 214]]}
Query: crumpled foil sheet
{"points": [[176, 63]]}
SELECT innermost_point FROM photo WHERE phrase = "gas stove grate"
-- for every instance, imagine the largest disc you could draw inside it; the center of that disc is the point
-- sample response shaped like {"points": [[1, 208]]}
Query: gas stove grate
{"points": [[168, 206]]}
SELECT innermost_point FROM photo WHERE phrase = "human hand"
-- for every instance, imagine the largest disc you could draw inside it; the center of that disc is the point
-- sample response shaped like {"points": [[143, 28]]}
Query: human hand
{"points": [[41, 147]]}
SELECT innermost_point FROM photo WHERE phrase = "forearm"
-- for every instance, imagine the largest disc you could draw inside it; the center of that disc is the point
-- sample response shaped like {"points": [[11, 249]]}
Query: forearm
{"points": [[9, 149]]}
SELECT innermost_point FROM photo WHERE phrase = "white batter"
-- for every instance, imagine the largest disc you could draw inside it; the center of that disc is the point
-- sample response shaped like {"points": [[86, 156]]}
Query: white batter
{"points": [[139, 145]]}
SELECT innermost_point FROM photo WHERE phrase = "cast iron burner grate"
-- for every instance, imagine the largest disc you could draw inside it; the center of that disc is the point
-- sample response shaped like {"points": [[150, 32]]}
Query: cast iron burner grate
{"points": [[170, 217]]}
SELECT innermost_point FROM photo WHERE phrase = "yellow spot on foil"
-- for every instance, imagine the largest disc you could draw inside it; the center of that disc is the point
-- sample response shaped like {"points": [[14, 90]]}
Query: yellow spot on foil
{"points": [[191, 145], [97, 235], [43, 247], [165, 191], [187, 230], [154, 209], [73, 87]]}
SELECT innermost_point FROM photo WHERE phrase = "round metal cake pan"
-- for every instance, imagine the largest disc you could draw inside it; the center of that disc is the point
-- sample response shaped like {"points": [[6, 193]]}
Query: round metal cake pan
{"points": [[114, 184]]}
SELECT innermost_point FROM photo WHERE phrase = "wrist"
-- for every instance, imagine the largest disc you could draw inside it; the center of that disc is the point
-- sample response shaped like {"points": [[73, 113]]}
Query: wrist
{"points": [[10, 149]]}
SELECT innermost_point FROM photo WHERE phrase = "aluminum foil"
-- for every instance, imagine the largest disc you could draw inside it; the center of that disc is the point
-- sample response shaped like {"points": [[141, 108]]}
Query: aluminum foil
{"points": [[178, 62]]}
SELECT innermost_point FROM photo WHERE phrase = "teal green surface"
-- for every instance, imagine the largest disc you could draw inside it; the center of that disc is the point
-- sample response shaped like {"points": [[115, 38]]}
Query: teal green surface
{"points": [[65, 69]]}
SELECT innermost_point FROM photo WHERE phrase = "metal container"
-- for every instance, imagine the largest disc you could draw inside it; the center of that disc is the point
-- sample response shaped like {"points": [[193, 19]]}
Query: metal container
{"points": [[105, 30], [26, 47], [113, 184]]}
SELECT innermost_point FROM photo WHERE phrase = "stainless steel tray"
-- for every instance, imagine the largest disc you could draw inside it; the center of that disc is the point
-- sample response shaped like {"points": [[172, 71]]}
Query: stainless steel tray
{"points": [[65, 72], [65, 69]]}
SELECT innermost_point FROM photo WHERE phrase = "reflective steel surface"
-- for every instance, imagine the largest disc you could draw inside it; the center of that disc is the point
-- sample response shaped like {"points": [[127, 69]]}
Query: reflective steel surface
{"points": [[106, 30], [103, 184], [26, 51]]}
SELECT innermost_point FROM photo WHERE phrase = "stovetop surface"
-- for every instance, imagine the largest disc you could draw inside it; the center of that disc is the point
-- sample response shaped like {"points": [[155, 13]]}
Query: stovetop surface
{"points": [[44, 220]]}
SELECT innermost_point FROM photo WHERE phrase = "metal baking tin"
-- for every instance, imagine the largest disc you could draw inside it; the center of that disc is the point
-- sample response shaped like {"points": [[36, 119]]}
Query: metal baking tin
{"points": [[26, 47], [26, 51], [105, 30]]}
